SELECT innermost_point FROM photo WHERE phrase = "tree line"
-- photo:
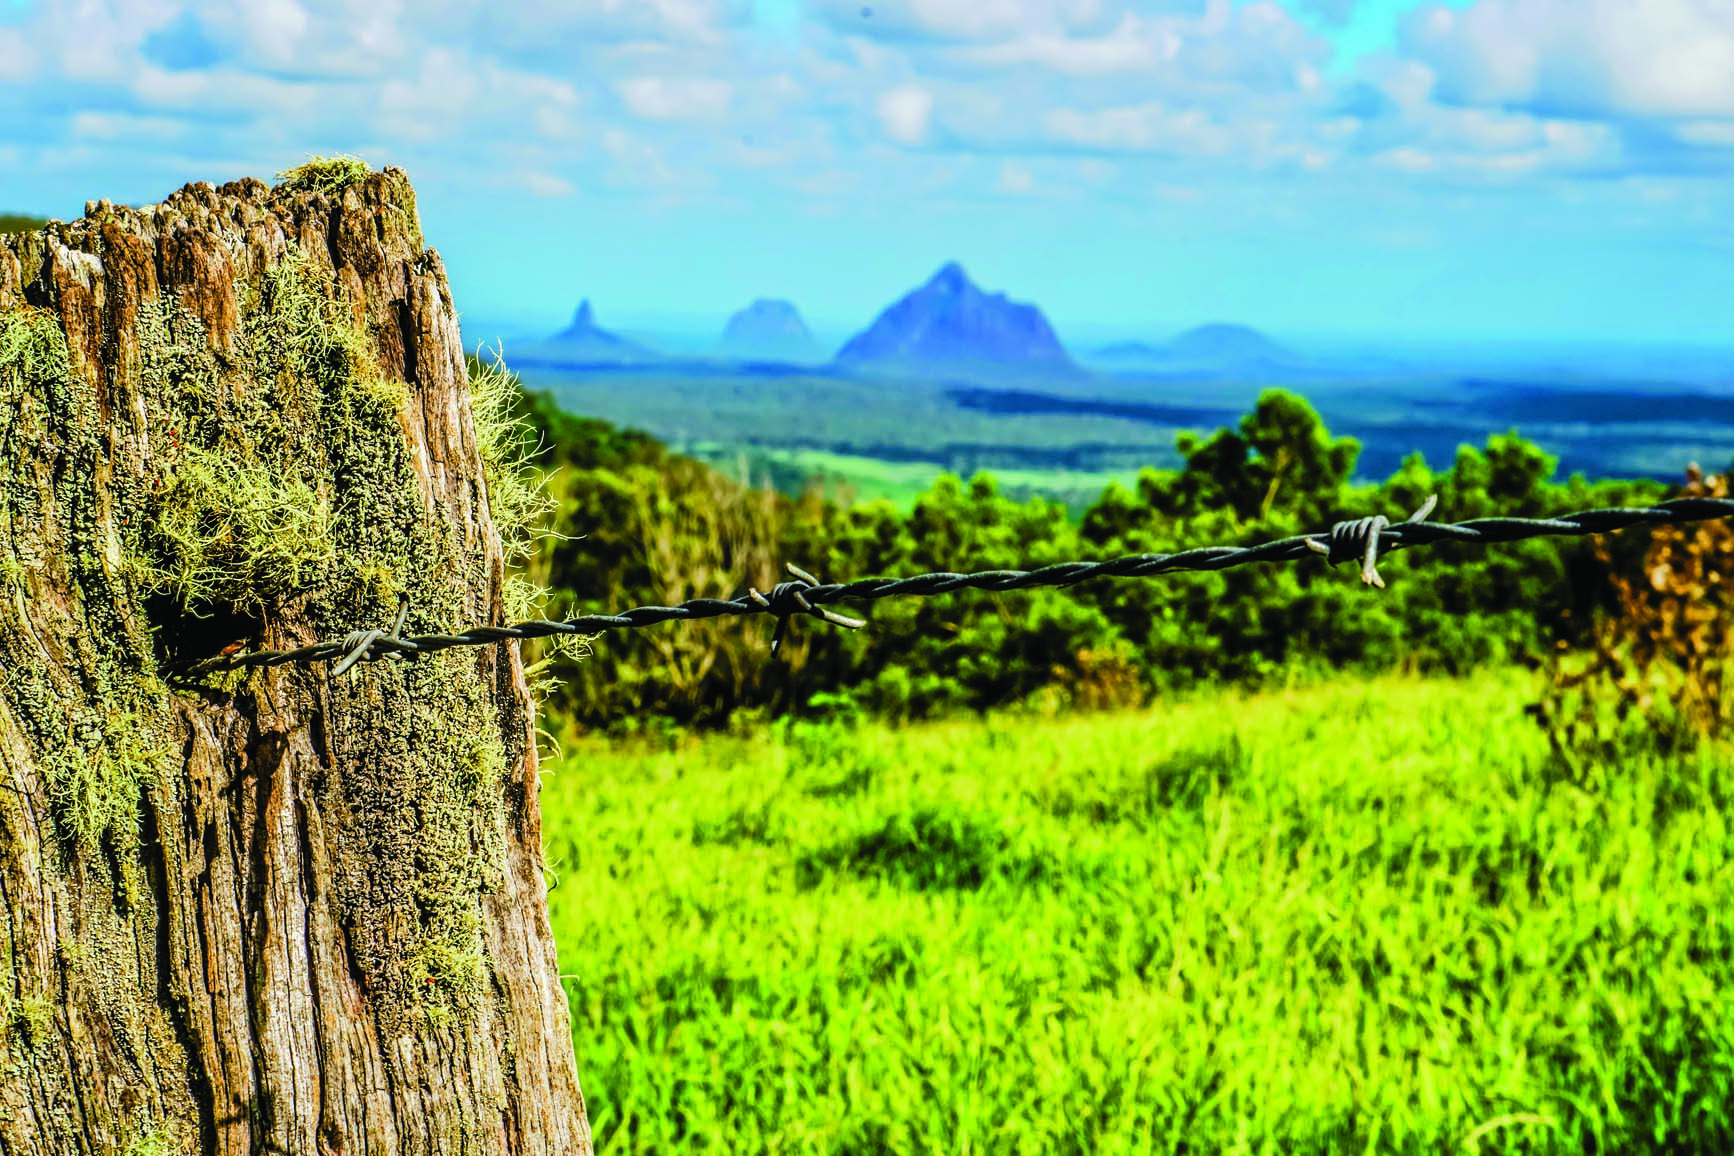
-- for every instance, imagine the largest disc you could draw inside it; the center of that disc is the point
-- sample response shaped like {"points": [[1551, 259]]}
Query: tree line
{"points": [[635, 524]]}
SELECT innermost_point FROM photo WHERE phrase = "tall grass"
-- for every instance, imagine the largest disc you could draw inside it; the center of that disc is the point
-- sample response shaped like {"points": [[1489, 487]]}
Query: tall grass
{"points": [[1352, 918]]}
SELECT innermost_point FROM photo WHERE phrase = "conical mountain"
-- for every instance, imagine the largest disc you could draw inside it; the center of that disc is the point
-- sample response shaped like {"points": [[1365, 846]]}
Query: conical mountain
{"points": [[585, 342], [950, 326], [769, 330]]}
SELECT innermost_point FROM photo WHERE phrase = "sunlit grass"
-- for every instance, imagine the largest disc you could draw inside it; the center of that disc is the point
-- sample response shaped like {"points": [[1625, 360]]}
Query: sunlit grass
{"points": [[1345, 919], [866, 479]]}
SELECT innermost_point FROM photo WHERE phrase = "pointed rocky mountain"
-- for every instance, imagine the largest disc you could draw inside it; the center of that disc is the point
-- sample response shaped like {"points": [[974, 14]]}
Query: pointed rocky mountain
{"points": [[769, 330], [951, 327], [586, 343]]}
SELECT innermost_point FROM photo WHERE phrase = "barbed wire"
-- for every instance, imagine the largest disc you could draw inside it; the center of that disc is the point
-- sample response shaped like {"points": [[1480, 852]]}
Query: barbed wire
{"points": [[1365, 539]]}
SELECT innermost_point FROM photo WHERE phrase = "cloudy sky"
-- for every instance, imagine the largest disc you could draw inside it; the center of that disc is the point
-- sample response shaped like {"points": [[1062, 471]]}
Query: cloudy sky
{"points": [[1477, 170]]}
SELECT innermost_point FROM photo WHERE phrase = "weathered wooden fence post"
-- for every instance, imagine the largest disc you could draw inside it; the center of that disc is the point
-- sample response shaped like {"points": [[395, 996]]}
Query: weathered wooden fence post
{"points": [[276, 911]]}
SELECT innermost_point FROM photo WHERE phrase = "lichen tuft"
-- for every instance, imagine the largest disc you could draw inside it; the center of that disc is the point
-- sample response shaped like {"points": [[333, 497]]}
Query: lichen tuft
{"points": [[520, 504], [95, 778], [235, 532], [516, 497], [320, 174], [29, 1023]]}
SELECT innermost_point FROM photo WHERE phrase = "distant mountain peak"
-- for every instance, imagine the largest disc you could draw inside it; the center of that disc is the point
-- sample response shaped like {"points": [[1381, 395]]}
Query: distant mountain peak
{"points": [[586, 341], [769, 329], [769, 309], [950, 326], [952, 277], [1218, 347], [1223, 338]]}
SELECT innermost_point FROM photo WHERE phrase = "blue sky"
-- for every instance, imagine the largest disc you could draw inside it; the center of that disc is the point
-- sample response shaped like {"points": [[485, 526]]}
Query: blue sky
{"points": [[1480, 170]]}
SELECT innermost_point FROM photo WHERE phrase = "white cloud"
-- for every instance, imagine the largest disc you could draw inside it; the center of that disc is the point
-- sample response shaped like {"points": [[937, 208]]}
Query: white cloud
{"points": [[1662, 58], [1130, 46], [270, 32], [195, 95], [1015, 178], [1137, 128], [1486, 146], [1408, 83], [1096, 171], [905, 112], [428, 104], [545, 184], [95, 40], [17, 63], [121, 126], [640, 163], [451, 96], [569, 26], [1229, 51], [961, 20], [1408, 160], [676, 98], [1707, 133]]}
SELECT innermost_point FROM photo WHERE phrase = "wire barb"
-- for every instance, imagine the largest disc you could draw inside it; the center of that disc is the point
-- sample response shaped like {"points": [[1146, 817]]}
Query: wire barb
{"points": [[1361, 539], [783, 593], [358, 644]]}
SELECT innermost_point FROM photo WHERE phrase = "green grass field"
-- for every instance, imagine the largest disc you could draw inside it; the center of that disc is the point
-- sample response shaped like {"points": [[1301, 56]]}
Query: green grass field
{"points": [[864, 479], [1349, 918]]}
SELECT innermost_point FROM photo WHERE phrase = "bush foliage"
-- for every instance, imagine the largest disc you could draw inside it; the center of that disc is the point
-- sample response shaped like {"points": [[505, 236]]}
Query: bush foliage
{"points": [[1654, 671], [645, 526]]}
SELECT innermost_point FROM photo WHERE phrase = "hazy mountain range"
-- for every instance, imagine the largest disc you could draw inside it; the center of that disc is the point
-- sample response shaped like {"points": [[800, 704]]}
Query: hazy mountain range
{"points": [[946, 328]]}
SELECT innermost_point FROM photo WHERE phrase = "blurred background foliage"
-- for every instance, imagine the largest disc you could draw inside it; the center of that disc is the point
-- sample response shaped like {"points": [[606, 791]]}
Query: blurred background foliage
{"points": [[1324, 919], [1636, 614]]}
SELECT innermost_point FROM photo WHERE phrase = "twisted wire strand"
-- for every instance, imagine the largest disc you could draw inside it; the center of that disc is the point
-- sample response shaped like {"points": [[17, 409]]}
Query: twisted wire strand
{"points": [[1363, 540]]}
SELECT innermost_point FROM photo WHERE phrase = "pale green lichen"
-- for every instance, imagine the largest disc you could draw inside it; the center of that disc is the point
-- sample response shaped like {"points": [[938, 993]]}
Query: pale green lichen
{"points": [[96, 776], [520, 504], [235, 533], [29, 1023], [171, 1137], [97, 758], [517, 498], [320, 174]]}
